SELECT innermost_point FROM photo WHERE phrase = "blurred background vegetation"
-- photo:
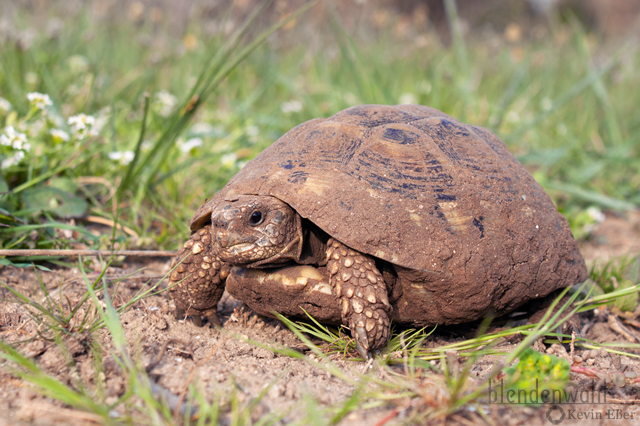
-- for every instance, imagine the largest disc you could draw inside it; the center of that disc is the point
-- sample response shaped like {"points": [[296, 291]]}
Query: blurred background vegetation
{"points": [[118, 118]]}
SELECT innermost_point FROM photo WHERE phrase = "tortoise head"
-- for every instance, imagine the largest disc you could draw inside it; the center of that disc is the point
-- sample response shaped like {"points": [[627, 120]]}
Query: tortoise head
{"points": [[256, 231]]}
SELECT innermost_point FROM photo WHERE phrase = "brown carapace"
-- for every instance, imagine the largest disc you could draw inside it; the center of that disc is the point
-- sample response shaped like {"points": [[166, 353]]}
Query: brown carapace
{"points": [[379, 213]]}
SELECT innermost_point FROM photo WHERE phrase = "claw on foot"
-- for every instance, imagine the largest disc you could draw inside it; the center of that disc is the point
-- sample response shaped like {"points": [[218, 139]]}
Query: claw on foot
{"points": [[362, 342], [179, 314], [197, 320], [214, 320]]}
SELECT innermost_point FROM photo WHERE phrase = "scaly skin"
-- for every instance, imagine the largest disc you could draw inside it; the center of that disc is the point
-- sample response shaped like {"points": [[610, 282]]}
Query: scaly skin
{"points": [[200, 279], [358, 284]]}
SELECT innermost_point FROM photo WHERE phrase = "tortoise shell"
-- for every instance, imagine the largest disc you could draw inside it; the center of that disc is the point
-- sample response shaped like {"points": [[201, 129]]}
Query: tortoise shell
{"points": [[442, 200]]}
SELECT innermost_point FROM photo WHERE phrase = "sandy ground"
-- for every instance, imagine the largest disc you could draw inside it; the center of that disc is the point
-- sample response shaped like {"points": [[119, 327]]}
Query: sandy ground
{"points": [[223, 362]]}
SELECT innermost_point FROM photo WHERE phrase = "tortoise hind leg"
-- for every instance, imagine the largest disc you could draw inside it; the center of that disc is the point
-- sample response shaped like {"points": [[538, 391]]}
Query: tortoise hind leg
{"points": [[196, 285], [358, 284]]}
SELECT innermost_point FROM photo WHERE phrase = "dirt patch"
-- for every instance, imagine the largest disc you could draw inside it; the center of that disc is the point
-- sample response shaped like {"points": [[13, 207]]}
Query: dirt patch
{"points": [[220, 362], [618, 235], [225, 362]]}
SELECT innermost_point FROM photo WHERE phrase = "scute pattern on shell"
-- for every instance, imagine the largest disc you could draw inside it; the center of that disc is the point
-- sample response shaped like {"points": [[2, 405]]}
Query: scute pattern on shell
{"points": [[445, 201]]}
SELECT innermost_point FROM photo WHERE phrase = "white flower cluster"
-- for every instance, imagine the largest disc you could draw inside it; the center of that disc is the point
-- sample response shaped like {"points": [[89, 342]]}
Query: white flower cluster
{"points": [[123, 157], [190, 144], [14, 139], [290, 107], [82, 126], [59, 135], [596, 214], [407, 99], [5, 105], [39, 100], [229, 160], [167, 102], [12, 160], [16, 146]]}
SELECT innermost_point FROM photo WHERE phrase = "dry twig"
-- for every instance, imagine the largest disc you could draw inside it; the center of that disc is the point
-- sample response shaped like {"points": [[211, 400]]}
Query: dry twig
{"points": [[111, 223], [615, 325]]}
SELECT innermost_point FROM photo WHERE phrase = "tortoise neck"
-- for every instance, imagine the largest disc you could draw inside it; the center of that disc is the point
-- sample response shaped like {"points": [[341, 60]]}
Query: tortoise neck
{"points": [[314, 248]]}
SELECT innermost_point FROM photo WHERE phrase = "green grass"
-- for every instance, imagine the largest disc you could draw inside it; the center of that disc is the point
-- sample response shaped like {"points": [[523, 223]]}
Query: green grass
{"points": [[565, 103]]}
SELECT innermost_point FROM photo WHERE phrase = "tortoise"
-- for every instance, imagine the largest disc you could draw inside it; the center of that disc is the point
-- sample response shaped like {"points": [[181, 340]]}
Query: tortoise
{"points": [[378, 213]]}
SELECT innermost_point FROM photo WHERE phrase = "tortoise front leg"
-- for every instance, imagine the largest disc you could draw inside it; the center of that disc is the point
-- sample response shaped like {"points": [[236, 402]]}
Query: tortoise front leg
{"points": [[358, 284], [200, 279]]}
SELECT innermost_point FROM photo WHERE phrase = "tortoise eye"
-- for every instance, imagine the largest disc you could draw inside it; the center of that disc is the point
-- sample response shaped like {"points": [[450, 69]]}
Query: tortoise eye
{"points": [[256, 218]]}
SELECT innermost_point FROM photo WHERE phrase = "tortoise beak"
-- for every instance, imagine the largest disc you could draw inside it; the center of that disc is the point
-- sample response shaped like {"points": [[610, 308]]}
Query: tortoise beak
{"points": [[234, 239]]}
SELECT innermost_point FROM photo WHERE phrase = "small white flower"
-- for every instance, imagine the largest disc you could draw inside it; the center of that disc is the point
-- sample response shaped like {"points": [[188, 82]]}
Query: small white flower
{"points": [[5, 105], [513, 117], [13, 160], [81, 121], [82, 125], [596, 214], [60, 135], [123, 157], [546, 104], [39, 100], [167, 102], [229, 160], [407, 98], [190, 144], [252, 130], [291, 106], [12, 138]]}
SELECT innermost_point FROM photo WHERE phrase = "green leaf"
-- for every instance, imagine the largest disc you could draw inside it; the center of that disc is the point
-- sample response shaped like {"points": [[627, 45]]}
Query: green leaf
{"points": [[7, 217], [6, 262], [4, 198], [3, 185], [43, 268], [61, 203], [633, 273], [628, 302], [590, 196], [64, 184]]}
